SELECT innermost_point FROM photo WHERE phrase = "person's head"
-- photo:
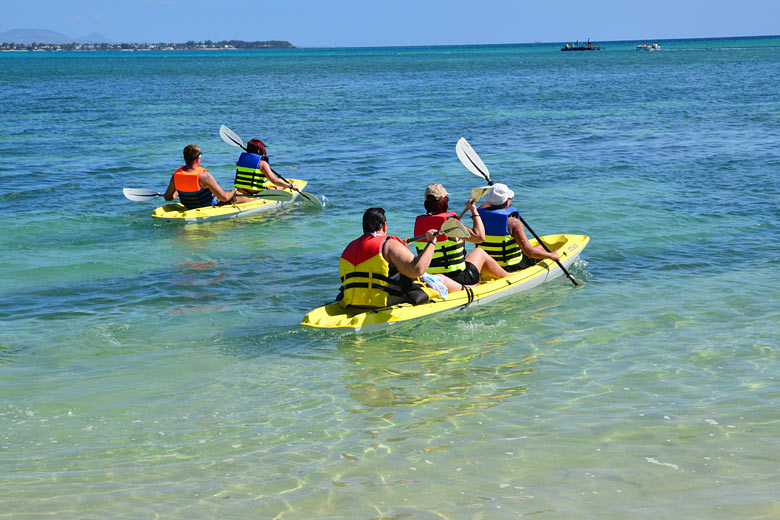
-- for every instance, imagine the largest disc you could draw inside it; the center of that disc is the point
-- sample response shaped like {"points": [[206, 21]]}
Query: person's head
{"points": [[436, 199], [191, 153], [256, 146], [499, 195], [373, 220]]}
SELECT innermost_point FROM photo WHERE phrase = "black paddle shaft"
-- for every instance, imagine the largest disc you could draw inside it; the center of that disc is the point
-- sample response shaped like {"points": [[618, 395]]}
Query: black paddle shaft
{"points": [[522, 220]]}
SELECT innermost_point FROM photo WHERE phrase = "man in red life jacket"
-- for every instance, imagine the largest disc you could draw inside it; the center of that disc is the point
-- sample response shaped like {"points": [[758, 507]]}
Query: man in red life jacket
{"points": [[195, 187], [378, 270]]}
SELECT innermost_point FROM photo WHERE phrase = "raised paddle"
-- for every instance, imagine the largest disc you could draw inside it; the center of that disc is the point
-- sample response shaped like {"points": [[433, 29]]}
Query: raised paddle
{"points": [[141, 194], [452, 227], [471, 160], [474, 164], [231, 138]]}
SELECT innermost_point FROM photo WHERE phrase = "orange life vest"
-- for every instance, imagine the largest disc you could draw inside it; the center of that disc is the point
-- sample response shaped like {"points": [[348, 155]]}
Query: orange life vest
{"points": [[187, 181], [191, 194]]}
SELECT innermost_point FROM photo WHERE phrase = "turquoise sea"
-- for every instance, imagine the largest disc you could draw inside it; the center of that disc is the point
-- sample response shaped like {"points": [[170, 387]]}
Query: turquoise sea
{"points": [[154, 370]]}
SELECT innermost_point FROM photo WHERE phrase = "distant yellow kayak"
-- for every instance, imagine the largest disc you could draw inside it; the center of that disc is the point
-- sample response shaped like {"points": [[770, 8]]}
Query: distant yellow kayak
{"points": [[179, 213], [334, 316]]}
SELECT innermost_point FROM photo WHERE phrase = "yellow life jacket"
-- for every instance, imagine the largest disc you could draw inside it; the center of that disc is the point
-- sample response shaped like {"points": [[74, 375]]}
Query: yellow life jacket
{"points": [[369, 280], [449, 255]]}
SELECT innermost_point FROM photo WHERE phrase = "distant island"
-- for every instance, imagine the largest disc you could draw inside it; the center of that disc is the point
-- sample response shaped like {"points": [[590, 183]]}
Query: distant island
{"points": [[190, 45], [44, 40]]}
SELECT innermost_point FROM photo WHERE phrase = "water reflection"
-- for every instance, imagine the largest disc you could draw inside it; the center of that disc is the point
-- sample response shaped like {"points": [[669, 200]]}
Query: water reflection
{"points": [[393, 371]]}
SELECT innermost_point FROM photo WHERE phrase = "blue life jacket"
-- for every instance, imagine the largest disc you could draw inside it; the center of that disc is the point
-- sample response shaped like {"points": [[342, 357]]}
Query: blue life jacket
{"points": [[498, 243], [249, 176]]}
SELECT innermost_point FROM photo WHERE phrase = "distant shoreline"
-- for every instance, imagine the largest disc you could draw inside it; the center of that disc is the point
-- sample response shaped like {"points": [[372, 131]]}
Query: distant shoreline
{"points": [[208, 45], [277, 45]]}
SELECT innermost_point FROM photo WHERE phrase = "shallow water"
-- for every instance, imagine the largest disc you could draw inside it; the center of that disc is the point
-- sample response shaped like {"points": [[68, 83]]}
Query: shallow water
{"points": [[160, 370]]}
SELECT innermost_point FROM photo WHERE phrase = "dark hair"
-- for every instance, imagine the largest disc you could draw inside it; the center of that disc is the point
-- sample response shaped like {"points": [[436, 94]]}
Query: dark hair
{"points": [[191, 153], [434, 206], [256, 146], [373, 220]]}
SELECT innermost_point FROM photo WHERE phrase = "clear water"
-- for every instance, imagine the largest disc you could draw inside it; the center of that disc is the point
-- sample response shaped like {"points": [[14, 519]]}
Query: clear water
{"points": [[156, 370]]}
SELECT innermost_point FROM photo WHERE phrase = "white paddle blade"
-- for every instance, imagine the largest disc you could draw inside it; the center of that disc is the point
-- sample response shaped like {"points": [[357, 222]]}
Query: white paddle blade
{"points": [[454, 228], [139, 194], [230, 137], [471, 160]]}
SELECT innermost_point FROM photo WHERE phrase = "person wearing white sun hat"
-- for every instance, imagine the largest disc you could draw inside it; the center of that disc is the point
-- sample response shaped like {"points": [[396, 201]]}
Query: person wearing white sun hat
{"points": [[505, 238]]}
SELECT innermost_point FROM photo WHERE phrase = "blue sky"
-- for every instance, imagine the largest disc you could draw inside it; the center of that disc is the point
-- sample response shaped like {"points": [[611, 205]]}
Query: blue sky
{"points": [[346, 23]]}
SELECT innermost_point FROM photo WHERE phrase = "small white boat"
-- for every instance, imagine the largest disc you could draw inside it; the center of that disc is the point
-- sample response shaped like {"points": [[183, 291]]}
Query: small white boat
{"points": [[646, 47]]}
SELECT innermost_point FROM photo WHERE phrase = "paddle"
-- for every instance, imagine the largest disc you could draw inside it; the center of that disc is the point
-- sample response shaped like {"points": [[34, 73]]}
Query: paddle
{"points": [[452, 227], [231, 138], [476, 194], [141, 194], [474, 164], [471, 160]]}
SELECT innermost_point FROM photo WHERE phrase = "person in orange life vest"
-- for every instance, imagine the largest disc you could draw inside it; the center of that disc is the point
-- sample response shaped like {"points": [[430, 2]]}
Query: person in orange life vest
{"points": [[370, 265], [254, 173], [450, 257], [195, 187], [498, 201]]}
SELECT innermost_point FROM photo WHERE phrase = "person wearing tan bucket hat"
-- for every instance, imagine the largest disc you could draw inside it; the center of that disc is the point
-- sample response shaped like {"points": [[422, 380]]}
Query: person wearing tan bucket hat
{"points": [[505, 239], [449, 257]]}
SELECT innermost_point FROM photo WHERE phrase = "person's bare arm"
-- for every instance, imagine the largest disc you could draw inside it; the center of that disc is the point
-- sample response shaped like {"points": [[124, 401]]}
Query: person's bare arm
{"points": [[171, 192], [477, 232], [273, 177], [207, 181], [518, 232], [407, 264]]}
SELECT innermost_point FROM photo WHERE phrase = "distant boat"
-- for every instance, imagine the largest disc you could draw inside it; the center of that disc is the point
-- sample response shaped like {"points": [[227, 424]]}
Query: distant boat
{"points": [[578, 47], [646, 47]]}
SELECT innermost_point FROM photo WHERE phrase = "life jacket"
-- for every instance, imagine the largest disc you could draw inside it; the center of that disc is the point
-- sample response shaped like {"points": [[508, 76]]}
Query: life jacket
{"points": [[368, 279], [249, 176], [498, 243], [190, 192], [449, 255]]}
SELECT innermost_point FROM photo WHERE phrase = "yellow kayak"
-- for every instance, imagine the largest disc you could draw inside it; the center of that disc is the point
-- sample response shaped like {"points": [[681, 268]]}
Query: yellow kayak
{"points": [[334, 316], [179, 213]]}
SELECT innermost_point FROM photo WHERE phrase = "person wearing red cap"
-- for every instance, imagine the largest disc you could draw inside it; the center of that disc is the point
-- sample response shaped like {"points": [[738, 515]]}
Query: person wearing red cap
{"points": [[253, 171]]}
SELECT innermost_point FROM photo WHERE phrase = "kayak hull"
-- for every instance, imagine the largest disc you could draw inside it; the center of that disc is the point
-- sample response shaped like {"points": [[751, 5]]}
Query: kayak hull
{"points": [[334, 316], [179, 213]]}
